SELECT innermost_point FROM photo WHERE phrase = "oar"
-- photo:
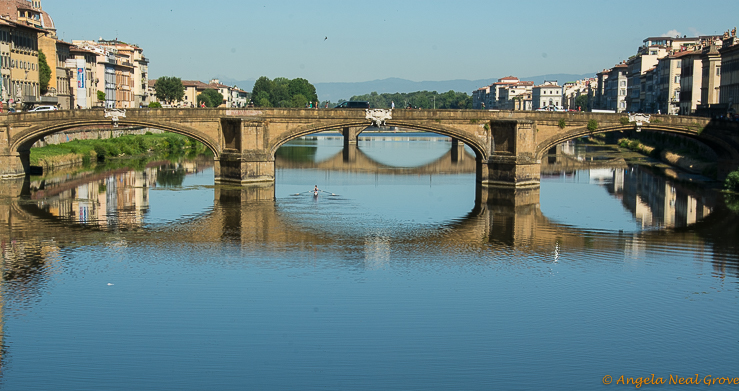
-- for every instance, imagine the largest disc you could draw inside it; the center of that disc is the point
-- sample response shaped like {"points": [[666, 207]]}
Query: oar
{"points": [[328, 192]]}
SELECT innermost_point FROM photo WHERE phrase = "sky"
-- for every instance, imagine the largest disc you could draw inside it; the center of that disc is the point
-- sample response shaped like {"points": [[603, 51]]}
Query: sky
{"points": [[355, 41]]}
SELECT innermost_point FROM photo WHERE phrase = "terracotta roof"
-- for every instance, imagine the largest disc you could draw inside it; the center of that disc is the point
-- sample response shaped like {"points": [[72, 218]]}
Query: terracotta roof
{"points": [[199, 85], [685, 53]]}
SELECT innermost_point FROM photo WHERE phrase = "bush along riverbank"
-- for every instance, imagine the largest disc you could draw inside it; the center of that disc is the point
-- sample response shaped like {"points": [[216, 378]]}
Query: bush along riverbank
{"points": [[88, 151]]}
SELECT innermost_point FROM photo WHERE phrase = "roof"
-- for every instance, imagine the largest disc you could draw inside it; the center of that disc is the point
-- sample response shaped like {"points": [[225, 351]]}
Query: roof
{"points": [[685, 53]]}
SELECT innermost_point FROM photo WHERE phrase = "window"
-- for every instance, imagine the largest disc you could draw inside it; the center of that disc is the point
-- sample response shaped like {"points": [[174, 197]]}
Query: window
{"points": [[678, 64], [677, 79], [718, 71], [623, 83]]}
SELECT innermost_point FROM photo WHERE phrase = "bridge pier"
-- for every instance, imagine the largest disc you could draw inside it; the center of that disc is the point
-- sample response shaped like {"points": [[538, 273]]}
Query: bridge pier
{"points": [[351, 135], [244, 159], [16, 164], [457, 150], [513, 160]]}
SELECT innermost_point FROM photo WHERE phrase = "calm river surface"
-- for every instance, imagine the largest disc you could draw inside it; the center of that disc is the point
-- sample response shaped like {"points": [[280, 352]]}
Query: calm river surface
{"points": [[396, 277]]}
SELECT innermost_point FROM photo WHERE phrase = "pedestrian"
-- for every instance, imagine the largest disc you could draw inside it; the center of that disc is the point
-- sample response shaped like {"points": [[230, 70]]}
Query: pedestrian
{"points": [[392, 105]]}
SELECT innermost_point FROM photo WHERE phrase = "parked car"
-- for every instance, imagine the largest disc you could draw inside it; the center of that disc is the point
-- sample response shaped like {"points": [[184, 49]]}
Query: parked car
{"points": [[354, 105], [43, 108]]}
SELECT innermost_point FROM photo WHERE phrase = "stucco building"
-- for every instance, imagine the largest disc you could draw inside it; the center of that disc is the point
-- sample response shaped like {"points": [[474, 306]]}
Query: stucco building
{"points": [[730, 72], [546, 96]]}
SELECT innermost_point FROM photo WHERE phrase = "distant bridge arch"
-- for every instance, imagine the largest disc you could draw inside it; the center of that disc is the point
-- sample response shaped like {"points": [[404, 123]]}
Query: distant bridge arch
{"points": [[354, 129]]}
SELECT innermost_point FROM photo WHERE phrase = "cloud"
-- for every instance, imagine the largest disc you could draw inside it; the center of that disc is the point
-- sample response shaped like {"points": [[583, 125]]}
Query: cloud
{"points": [[672, 33]]}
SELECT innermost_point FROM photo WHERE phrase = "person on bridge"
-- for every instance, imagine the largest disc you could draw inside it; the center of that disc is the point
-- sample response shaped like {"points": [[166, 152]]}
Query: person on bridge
{"points": [[392, 105]]}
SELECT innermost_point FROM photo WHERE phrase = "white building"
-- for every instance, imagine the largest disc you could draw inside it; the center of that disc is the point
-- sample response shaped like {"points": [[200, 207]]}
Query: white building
{"points": [[546, 96]]}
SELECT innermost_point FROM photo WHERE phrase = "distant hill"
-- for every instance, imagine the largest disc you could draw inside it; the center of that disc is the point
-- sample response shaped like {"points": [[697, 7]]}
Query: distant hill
{"points": [[335, 91]]}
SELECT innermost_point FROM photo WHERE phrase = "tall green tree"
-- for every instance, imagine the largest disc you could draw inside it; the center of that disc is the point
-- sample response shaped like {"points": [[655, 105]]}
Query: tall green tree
{"points": [[301, 86], [211, 98], [283, 92], [262, 92], [582, 102], [44, 72], [169, 89]]}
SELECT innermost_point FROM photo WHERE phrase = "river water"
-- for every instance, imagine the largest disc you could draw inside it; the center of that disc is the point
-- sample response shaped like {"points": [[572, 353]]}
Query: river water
{"points": [[397, 276]]}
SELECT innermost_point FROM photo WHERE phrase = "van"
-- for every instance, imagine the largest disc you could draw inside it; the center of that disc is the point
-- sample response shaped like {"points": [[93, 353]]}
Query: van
{"points": [[42, 108], [354, 105]]}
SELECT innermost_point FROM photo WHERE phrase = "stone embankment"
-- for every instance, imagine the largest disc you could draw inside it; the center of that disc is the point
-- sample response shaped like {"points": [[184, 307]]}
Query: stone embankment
{"points": [[92, 133]]}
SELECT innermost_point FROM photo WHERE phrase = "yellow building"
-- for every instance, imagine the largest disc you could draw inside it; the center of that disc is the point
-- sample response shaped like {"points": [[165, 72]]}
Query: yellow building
{"points": [[20, 69]]}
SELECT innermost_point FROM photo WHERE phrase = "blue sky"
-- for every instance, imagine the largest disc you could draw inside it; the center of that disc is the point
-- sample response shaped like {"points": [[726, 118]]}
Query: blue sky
{"points": [[368, 40]]}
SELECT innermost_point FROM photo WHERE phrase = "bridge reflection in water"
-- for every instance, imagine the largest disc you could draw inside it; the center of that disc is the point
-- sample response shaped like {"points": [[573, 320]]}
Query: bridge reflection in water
{"points": [[41, 219], [94, 210]]}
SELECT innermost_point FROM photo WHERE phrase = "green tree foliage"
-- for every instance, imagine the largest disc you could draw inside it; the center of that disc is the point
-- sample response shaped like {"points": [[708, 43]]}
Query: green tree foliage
{"points": [[101, 96], [169, 89], [212, 98], [283, 92], [420, 99], [155, 105], [582, 102], [44, 72], [732, 181]]}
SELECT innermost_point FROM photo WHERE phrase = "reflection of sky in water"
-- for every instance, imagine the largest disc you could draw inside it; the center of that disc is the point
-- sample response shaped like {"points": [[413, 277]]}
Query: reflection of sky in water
{"points": [[389, 149], [395, 149], [366, 202], [170, 204], [584, 202]]}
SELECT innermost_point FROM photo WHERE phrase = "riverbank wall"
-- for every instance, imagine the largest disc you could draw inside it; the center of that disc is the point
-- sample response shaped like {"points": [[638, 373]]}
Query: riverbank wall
{"points": [[92, 133], [685, 153]]}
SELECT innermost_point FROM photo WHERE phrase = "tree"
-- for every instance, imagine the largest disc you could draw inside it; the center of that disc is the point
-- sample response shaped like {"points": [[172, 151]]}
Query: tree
{"points": [[169, 89], [283, 92], [262, 92], [582, 102], [301, 86], [101, 96], [44, 73], [211, 98]]}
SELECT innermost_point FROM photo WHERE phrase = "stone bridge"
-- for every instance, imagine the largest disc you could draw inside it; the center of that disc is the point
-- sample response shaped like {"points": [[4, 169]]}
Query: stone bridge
{"points": [[508, 146]]}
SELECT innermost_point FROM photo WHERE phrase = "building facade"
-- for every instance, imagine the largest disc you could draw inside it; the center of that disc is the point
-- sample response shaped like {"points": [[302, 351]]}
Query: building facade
{"points": [[729, 95], [546, 96]]}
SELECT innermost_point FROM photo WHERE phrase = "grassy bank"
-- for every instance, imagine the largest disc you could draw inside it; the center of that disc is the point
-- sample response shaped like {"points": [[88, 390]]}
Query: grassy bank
{"points": [[85, 151]]}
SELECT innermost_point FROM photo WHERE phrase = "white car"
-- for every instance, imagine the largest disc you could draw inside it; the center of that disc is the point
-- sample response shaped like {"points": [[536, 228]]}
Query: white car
{"points": [[43, 108]]}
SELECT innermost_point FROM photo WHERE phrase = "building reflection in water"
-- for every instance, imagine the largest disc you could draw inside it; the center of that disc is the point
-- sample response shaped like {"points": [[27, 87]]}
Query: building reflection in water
{"points": [[653, 200], [118, 198]]}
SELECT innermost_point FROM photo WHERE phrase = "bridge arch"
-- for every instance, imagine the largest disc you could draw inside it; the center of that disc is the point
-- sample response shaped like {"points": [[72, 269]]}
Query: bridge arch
{"points": [[481, 152], [23, 141], [722, 148]]}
